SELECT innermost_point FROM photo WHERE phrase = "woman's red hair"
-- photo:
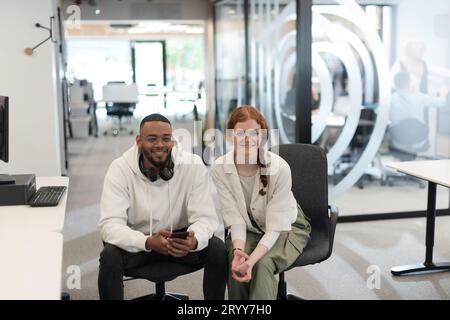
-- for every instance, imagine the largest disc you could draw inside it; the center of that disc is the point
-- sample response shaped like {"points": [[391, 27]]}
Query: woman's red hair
{"points": [[245, 113]]}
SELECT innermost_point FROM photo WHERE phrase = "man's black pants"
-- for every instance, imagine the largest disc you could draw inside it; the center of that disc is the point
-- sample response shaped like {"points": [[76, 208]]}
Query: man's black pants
{"points": [[114, 262]]}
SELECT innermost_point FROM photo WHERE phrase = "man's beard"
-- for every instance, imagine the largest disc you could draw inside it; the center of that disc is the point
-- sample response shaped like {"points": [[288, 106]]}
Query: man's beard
{"points": [[153, 160]]}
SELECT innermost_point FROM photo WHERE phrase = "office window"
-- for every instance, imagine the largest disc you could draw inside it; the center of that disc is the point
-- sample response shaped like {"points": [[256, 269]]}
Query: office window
{"points": [[374, 66], [230, 58], [382, 97], [272, 62]]}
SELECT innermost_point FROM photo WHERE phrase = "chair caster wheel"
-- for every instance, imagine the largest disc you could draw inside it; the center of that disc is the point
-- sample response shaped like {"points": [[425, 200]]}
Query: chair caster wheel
{"points": [[115, 132], [65, 296]]}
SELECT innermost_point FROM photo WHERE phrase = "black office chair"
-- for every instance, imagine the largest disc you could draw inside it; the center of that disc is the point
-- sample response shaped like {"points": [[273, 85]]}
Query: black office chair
{"points": [[357, 145], [364, 129], [361, 138], [310, 188], [120, 109], [159, 273]]}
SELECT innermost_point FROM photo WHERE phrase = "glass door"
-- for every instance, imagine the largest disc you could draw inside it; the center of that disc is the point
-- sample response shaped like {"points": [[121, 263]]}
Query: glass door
{"points": [[149, 65]]}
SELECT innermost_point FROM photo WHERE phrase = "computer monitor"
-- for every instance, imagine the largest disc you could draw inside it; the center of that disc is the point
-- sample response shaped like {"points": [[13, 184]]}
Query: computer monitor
{"points": [[4, 127], [4, 137]]}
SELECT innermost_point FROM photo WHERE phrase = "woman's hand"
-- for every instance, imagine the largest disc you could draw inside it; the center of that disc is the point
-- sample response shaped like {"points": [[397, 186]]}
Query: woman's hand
{"points": [[240, 266], [244, 272]]}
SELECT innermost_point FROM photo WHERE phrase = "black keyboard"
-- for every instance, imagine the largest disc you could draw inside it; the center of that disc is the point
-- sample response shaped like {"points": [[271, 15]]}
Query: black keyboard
{"points": [[47, 196]]}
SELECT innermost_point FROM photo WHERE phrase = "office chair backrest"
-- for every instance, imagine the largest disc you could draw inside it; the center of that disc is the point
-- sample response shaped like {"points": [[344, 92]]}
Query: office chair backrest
{"points": [[409, 135], [364, 130], [119, 92], [368, 114], [308, 165]]}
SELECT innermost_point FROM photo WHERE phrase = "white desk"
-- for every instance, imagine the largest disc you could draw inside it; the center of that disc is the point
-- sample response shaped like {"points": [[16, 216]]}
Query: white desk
{"points": [[31, 267], [435, 172], [333, 120], [31, 219]]}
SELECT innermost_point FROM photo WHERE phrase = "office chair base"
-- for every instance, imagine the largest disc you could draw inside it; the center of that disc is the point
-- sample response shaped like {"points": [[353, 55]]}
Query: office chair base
{"points": [[165, 296], [293, 297], [288, 296], [65, 296], [116, 132], [175, 296], [282, 293]]}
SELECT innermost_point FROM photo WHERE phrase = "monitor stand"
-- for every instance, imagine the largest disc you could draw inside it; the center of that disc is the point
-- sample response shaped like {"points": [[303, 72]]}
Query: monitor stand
{"points": [[7, 179]]}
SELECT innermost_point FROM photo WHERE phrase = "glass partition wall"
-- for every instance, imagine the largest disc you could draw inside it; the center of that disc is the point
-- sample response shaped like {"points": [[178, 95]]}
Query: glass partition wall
{"points": [[378, 77], [230, 58]]}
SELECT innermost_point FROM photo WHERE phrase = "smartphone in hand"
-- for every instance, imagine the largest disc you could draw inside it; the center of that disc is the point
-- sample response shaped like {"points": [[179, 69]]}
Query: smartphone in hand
{"points": [[180, 235]]}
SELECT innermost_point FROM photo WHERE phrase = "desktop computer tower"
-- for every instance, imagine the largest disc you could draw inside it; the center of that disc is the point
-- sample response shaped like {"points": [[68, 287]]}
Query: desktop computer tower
{"points": [[18, 193]]}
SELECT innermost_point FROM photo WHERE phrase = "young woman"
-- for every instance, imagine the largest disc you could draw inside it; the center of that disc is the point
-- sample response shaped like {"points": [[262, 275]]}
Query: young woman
{"points": [[268, 228]]}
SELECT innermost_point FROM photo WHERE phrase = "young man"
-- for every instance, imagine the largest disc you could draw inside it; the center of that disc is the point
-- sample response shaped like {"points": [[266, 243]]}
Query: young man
{"points": [[152, 190]]}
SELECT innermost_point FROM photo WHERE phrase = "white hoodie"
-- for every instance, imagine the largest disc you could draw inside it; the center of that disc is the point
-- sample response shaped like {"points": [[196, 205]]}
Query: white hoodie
{"points": [[132, 207]]}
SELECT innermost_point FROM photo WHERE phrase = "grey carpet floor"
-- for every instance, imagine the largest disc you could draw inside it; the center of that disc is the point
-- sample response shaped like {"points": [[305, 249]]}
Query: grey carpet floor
{"points": [[361, 251]]}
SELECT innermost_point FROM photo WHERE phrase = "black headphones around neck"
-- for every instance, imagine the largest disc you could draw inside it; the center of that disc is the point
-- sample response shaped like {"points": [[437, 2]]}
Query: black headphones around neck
{"points": [[165, 172]]}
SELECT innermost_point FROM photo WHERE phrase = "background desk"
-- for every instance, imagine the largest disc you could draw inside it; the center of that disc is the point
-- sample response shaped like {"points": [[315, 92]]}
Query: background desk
{"points": [[41, 219], [31, 266], [435, 172]]}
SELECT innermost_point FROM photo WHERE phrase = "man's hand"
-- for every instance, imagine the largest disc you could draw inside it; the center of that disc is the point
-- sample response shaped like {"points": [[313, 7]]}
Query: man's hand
{"points": [[158, 242], [181, 247]]}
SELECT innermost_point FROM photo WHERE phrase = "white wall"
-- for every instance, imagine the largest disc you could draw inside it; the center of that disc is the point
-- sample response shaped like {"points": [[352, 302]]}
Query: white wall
{"points": [[30, 83], [420, 20]]}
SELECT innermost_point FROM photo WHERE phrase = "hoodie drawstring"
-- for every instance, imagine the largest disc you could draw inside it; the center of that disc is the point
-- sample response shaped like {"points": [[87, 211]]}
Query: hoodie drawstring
{"points": [[149, 208], [170, 209]]}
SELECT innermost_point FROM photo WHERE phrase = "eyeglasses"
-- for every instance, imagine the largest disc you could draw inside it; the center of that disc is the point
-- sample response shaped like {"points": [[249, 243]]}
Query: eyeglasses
{"points": [[251, 133], [154, 138]]}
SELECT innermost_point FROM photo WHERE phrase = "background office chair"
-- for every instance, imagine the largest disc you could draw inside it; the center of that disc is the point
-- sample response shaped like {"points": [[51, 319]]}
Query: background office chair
{"points": [[357, 145], [194, 100], [310, 188], [407, 138], [120, 101], [159, 273], [361, 138]]}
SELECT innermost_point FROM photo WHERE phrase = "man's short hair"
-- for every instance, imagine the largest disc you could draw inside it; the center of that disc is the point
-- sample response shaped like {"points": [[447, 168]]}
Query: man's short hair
{"points": [[154, 117]]}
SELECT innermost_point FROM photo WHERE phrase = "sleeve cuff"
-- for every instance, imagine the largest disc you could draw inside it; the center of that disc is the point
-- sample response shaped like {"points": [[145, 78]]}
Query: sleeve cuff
{"points": [[139, 242], [269, 239], [202, 240]]}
